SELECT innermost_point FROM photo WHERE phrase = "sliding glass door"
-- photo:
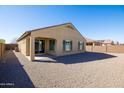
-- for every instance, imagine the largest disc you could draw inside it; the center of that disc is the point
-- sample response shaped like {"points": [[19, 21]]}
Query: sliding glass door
{"points": [[39, 46]]}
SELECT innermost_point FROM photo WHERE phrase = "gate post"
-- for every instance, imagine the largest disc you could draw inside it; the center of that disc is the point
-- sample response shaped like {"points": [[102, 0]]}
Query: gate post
{"points": [[106, 48]]}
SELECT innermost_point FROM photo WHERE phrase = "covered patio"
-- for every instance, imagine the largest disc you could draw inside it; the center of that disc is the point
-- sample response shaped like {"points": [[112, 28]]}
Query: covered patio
{"points": [[40, 48]]}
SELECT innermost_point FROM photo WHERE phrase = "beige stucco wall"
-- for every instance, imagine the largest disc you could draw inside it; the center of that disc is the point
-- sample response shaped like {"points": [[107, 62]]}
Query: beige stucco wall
{"points": [[24, 45], [61, 33]]}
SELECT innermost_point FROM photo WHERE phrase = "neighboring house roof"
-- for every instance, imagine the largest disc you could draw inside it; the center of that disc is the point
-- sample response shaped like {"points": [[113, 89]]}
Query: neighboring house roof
{"points": [[29, 32], [108, 41], [89, 40], [99, 41]]}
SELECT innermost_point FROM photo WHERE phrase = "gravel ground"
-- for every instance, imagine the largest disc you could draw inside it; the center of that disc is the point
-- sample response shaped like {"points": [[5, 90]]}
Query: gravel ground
{"points": [[92, 70]]}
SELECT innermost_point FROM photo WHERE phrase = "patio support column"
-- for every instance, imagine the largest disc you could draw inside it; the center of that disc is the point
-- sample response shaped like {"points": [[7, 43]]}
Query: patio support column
{"points": [[93, 46], [32, 48], [28, 47]]}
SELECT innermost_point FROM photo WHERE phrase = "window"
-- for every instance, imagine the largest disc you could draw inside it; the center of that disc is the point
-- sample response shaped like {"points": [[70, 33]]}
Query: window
{"points": [[80, 45], [52, 45], [67, 45]]}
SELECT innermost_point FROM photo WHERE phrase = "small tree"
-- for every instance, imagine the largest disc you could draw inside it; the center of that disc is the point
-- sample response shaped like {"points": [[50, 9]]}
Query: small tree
{"points": [[2, 41]]}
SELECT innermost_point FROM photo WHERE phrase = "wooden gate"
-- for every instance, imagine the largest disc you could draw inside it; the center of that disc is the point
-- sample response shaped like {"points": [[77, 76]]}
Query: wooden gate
{"points": [[2, 50]]}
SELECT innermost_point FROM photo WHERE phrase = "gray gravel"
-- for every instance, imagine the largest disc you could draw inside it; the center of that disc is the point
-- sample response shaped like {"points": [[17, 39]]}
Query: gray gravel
{"points": [[12, 73], [92, 70]]}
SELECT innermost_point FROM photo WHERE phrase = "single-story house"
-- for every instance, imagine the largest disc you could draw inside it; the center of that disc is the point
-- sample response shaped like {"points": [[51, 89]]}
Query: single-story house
{"points": [[108, 42], [56, 40], [89, 42], [99, 42]]}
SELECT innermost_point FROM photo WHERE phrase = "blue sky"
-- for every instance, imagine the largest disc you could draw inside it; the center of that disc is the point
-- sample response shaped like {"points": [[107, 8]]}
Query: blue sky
{"points": [[95, 22]]}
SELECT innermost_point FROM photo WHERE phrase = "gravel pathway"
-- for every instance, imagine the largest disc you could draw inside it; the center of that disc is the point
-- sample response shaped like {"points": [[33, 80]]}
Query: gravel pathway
{"points": [[12, 73], [92, 70]]}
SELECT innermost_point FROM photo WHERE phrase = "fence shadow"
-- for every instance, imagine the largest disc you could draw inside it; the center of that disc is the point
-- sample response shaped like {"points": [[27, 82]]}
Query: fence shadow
{"points": [[12, 73], [83, 57]]}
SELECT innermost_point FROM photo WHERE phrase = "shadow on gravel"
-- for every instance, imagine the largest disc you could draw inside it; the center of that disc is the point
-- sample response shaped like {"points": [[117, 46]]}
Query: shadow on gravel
{"points": [[82, 57], [12, 74], [76, 58]]}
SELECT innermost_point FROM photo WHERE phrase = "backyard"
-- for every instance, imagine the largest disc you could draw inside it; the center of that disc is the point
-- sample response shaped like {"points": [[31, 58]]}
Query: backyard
{"points": [[88, 69]]}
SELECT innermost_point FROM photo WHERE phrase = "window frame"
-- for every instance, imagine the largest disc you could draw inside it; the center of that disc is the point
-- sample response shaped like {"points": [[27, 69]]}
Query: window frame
{"points": [[80, 45], [65, 45], [50, 45]]}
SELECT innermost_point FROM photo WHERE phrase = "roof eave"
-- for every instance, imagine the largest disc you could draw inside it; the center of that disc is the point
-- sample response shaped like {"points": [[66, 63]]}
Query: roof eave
{"points": [[23, 36]]}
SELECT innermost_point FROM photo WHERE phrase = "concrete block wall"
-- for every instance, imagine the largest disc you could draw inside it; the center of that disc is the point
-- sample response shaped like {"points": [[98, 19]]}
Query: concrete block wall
{"points": [[108, 49]]}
